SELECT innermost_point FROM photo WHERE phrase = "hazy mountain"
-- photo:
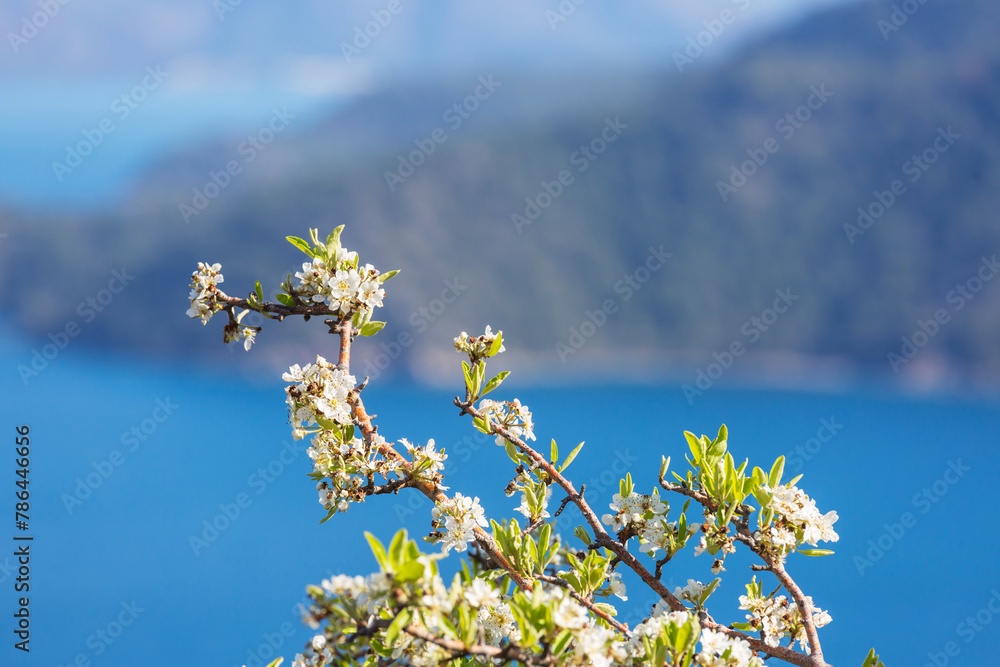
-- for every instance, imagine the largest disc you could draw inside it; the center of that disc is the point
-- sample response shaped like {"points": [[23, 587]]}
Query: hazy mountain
{"points": [[878, 99]]}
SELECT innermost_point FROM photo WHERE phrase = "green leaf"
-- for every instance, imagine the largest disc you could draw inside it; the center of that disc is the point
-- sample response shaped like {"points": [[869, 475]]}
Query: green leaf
{"points": [[380, 554], [495, 382], [286, 300], [664, 465], [388, 274], [469, 384], [569, 459], [562, 642], [512, 451], [606, 608], [329, 515], [334, 238], [872, 660], [495, 347], [695, 445], [401, 621], [815, 552], [774, 479], [397, 548], [555, 452], [276, 662], [371, 328], [717, 449], [410, 571], [260, 292], [301, 245]]}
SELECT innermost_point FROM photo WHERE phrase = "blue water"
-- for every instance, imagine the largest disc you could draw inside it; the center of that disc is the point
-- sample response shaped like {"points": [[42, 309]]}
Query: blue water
{"points": [[128, 543]]}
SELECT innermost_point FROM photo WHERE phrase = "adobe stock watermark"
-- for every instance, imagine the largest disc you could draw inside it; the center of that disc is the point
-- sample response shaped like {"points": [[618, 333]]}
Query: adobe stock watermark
{"points": [[32, 24], [629, 284], [121, 108], [752, 330], [418, 320], [454, 116], [105, 636], [364, 34], [258, 482], [88, 310], [131, 440], [223, 7], [698, 43], [786, 127], [924, 501], [957, 298], [900, 15], [795, 460], [914, 169], [585, 155], [247, 151], [968, 629], [562, 12]]}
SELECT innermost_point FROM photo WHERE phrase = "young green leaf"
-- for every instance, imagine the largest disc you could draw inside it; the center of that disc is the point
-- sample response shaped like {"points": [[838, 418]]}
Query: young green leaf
{"points": [[380, 554], [569, 459], [774, 479], [815, 552], [371, 328], [333, 240], [871, 661], [495, 347], [387, 275], [495, 382], [401, 621], [301, 245]]}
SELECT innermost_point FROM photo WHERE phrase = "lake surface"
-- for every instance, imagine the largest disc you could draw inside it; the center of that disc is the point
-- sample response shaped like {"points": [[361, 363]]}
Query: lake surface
{"points": [[130, 461]]}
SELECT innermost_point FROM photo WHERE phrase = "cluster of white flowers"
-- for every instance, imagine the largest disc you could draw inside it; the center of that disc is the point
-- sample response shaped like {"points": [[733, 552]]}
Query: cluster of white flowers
{"points": [[630, 510], [427, 461], [777, 618], [344, 467], [478, 347], [341, 285], [236, 330], [617, 585], [318, 393], [342, 584], [318, 659], [458, 518], [659, 623], [797, 521], [720, 650], [692, 592], [717, 649], [203, 282], [516, 418], [498, 622]]}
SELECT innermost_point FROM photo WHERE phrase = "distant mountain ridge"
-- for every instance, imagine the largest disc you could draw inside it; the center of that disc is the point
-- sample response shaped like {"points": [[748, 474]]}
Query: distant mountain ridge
{"points": [[785, 225]]}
